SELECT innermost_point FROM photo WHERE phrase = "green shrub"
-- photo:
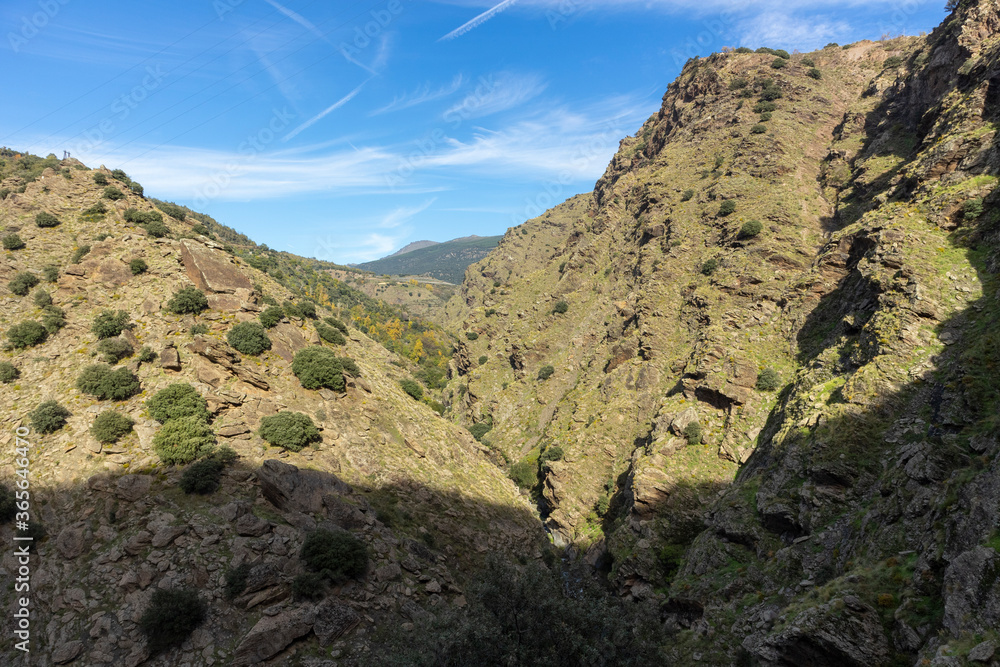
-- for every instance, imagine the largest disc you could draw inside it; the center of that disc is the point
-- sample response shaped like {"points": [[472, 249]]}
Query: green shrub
{"points": [[41, 298], [79, 254], [113, 193], [22, 283], [770, 93], [202, 477], [51, 273], [8, 372], [173, 210], [781, 53], [48, 417], [172, 615], [108, 384], [814, 74], [893, 61], [13, 242], [554, 453], [738, 83], [336, 324], [808, 62], [483, 359], [728, 207], [3, 193], [53, 318], [114, 350], [120, 175], [100, 178], [309, 586], [307, 309], [330, 335], [199, 329], [137, 217], [688, 195], [156, 229], [146, 354], [765, 117], [8, 505], [768, 380], [271, 316], [693, 433], [102, 237], [201, 229], [97, 209], [560, 307], [750, 229], [545, 372], [110, 324], [138, 266], [765, 107], [524, 474], [479, 430], [317, 367], [291, 430], [183, 440], [136, 188], [779, 63], [187, 300], [744, 49], [249, 338], [176, 401], [45, 219], [268, 300], [291, 310], [236, 580], [111, 426], [972, 209], [709, 267], [336, 555], [412, 388], [471, 335], [26, 334]]}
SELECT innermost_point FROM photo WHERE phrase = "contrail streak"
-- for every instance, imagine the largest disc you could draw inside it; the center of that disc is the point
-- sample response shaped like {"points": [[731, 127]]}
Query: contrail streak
{"points": [[478, 21]]}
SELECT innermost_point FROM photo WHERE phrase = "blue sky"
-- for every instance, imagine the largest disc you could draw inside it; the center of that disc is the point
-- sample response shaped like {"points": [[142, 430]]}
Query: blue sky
{"points": [[345, 130]]}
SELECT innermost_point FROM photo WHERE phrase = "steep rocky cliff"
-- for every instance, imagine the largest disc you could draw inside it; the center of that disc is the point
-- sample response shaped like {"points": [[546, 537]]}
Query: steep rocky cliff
{"points": [[839, 504], [416, 489]]}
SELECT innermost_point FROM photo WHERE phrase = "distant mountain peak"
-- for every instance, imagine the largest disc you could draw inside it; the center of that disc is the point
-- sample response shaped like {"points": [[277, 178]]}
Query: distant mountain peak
{"points": [[410, 247]]}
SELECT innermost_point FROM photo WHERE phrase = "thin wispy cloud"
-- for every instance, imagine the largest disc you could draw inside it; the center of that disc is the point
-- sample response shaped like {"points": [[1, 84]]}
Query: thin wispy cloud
{"points": [[311, 27], [496, 93], [404, 214], [478, 21], [421, 95], [327, 111]]}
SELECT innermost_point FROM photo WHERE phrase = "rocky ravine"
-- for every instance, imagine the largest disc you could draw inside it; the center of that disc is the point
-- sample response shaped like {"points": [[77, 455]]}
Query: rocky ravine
{"points": [[862, 527], [118, 525]]}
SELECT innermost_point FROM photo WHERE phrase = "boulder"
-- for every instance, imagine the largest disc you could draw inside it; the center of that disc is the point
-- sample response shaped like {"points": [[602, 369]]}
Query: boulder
{"points": [[271, 635], [332, 620], [971, 596], [169, 359], [251, 525], [264, 575], [212, 271], [132, 487], [67, 652], [291, 489], [71, 541]]}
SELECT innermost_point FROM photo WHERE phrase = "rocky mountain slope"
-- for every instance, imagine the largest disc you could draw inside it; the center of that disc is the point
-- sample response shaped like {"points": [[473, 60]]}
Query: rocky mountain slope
{"points": [[417, 490], [798, 253], [445, 261]]}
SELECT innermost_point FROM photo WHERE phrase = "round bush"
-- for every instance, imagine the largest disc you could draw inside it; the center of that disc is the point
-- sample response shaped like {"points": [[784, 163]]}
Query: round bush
{"points": [[309, 586], [750, 229], [779, 63], [188, 300], [54, 319], [412, 388], [8, 372], [471, 335], [249, 338], [110, 324], [307, 309], [336, 324], [45, 219], [183, 440], [202, 477], [22, 283], [26, 334], [524, 474], [317, 367], [336, 555], [545, 372], [111, 426], [107, 384], [709, 267], [270, 317], [100, 178], [48, 417], [728, 207], [41, 298], [291, 430], [483, 359], [146, 354], [768, 380], [177, 400], [330, 335], [114, 350], [51, 273], [171, 617], [113, 193], [79, 254], [561, 307], [479, 430], [693, 433], [759, 128], [157, 229], [138, 266], [814, 74], [13, 242]]}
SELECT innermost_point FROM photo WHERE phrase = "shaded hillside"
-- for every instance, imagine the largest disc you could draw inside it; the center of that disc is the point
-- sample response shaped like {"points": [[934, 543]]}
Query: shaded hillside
{"points": [[100, 271], [799, 255], [444, 261]]}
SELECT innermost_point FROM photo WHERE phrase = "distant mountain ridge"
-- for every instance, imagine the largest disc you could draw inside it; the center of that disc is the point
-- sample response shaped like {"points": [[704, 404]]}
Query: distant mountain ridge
{"points": [[445, 261]]}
